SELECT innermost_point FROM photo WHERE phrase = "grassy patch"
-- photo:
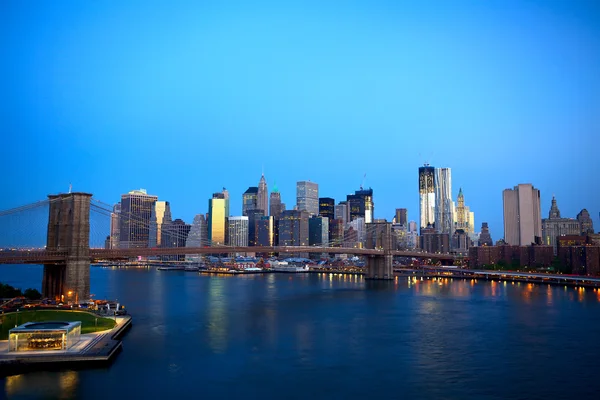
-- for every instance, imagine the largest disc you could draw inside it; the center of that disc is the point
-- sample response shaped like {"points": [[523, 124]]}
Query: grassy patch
{"points": [[89, 322]]}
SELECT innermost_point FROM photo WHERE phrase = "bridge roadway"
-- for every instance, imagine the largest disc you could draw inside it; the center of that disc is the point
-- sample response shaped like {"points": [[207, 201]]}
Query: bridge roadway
{"points": [[52, 257]]}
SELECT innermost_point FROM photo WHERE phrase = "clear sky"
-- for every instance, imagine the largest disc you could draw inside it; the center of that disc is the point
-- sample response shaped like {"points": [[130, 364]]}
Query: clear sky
{"points": [[184, 98]]}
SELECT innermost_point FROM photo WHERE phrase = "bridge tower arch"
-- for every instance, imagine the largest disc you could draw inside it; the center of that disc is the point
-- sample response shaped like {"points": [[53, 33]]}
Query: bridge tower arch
{"points": [[68, 230], [379, 236]]}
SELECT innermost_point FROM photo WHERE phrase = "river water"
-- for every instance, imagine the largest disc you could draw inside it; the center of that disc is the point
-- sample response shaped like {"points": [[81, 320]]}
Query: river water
{"points": [[320, 336]]}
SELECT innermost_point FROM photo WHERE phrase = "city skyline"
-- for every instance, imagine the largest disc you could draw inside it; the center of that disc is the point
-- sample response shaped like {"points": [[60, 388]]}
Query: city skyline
{"points": [[515, 102]]}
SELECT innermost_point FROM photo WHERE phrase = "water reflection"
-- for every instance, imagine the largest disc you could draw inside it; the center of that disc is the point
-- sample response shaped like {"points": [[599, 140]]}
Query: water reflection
{"points": [[217, 315], [58, 385]]}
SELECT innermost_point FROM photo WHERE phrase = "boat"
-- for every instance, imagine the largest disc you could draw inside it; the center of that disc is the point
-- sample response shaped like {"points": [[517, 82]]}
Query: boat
{"points": [[283, 266], [174, 268]]}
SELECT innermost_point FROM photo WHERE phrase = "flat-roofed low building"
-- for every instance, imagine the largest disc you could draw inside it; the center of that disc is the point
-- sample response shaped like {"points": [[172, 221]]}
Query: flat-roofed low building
{"points": [[44, 336]]}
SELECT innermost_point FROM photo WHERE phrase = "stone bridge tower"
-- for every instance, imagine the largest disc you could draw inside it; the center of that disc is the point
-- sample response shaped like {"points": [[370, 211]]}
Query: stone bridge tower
{"points": [[379, 236], [68, 230]]}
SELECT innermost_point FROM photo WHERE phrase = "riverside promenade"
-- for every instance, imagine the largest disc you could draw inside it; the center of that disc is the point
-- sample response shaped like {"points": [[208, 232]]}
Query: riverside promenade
{"points": [[93, 350]]}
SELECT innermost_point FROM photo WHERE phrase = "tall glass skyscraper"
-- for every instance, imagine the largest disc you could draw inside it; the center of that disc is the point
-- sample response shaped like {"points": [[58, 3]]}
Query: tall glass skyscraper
{"points": [[307, 197], [161, 215], [134, 224], [444, 206], [426, 196], [238, 231], [216, 219], [360, 205], [263, 196], [250, 200]]}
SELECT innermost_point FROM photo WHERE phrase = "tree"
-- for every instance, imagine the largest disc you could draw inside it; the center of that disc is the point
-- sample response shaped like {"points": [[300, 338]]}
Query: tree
{"points": [[32, 294]]}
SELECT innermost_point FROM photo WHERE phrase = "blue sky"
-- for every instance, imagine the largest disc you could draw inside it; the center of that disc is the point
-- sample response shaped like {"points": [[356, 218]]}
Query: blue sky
{"points": [[184, 98]]}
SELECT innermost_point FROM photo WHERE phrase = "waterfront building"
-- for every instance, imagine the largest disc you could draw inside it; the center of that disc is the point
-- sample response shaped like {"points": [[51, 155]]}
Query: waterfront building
{"points": [[44, 336], [237, 231], [161, 216], [522, 217], [426, 196], [134, 224], [318, 231], [249, 200], [253, 217], [174, 234], [293, 228], [307, 197], [585, 222], [115, 218], [485, 239], [401, 216], [341, 212], [444, 206], [433, 242], [263, 195], [265, 231], [217, 219], [532, 256], [555, 226], [460, 242], [276, 206], [360, 205]]}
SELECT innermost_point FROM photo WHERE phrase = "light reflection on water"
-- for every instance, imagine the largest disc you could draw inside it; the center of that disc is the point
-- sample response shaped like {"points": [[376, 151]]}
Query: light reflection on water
{"points": [[335, 335]]}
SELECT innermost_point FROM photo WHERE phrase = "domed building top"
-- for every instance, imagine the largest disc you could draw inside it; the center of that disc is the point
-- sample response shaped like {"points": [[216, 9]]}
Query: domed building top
{"points": [[554, 211]]}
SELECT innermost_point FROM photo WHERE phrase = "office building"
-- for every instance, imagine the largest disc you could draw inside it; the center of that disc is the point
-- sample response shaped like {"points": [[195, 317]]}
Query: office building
{"points": [[359, 226], [341, 212], [444, 206], [115, 218], [307, 197], [265, 231], [555, 226], [253, 217], [318, 231], [217, 219], [174, 234], [401, 216], [198, 236], [585, 222], [250, 200], [237, 231], [485, 239], [293, 228], [336, 232], [462, 214], [327, 207], [276, 206], [361, 205], [161, 215], [522, 217], [263, 196], [426, 196], [134, 224]]}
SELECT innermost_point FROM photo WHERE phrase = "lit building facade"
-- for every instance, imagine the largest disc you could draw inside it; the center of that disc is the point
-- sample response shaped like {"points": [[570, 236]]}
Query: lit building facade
{"points": [[341, 212], [485, 239], [198, 236], [361, 205], [265, 231], [522, 217], [237, 228], [318, 231], [462, 215], [174, 234], [402, 217], [161, 215], [134, 224], [293, 228], [444, 206], [115, 218], [327, 207], [216, 220], [307, 197], [253, 217], [426, 196], [276, 206], [585, 222], [555, 226]]}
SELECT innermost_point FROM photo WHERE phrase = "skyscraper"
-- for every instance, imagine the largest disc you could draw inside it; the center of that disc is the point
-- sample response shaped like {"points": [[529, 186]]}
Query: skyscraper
{"points": [[253, 216], [426, 196], [265, 231], [318, 231], [444, 207], [402, 217], [555, 226], [174, 234], [293, 228], [161, 215], [136, 212], [307, 197], [585, 222], [485, 239], [237, 231], [250, 200], [341, 212], [327, 207], [115, 218], [522, 218], [360, 205], [275, 206], [216, 219], [198, 236], [462, 215], [263, 196]]}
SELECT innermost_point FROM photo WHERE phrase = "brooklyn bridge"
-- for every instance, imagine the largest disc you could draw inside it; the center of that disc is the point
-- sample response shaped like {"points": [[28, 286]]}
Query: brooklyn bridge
{"points": [[67, 254]]}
